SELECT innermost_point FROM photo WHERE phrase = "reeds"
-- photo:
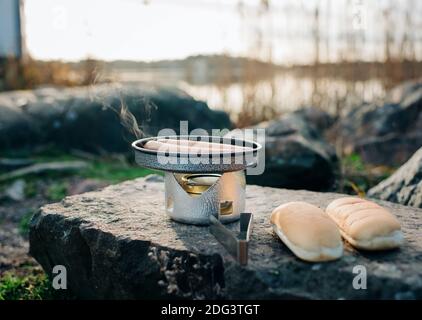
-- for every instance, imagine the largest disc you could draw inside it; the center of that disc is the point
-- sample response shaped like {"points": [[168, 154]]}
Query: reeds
{"points": [[28, 73]]}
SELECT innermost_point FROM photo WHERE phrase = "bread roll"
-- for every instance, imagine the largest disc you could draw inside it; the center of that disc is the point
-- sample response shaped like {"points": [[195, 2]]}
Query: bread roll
{"points": [[365, 224], [174, 148], [193, 147], [223, 147], [307, 231]]}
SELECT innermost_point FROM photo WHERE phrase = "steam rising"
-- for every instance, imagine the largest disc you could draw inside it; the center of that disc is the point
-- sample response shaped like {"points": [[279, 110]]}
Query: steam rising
{"points": [[128, 120], [104, 94]]}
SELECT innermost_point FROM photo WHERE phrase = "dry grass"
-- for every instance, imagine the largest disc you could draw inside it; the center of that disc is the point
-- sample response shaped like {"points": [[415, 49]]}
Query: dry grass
{"points": [[28, 73]]}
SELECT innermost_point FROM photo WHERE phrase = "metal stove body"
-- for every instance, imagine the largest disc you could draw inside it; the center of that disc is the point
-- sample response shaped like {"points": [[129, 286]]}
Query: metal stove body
{"points": [[210, 192], [192, 198]]}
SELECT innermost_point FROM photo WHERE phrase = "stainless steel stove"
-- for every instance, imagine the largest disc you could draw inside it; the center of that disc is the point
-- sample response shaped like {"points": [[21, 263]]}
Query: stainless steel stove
{"points": [[205, 188]]}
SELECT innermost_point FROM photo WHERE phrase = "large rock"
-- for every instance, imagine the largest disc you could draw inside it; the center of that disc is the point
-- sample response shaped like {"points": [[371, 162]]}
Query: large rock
{"points": [[387, 133], [296, 154], [88, 118], [404, 186], [316, 117], [118, 243]]}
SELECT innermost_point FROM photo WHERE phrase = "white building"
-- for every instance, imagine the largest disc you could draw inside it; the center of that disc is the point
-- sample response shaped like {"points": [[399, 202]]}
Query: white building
{"points": [[11, 30]]}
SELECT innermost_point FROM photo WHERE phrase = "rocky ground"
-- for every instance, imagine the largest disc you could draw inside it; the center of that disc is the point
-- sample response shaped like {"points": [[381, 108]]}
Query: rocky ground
{"points": [[16, 213], [13, 236], [307, 149], [20, 198], [405, 185], [118, 243]]}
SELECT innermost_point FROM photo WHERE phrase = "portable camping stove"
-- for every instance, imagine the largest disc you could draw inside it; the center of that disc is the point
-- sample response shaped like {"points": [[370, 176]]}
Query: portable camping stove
{"points": [[208, 189]]}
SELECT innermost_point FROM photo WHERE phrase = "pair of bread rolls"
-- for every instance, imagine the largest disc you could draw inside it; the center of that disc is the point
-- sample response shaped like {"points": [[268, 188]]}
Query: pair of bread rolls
{"points": [[315, 235]]}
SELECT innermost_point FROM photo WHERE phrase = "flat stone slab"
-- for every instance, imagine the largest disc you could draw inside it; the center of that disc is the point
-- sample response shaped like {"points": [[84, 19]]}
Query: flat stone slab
{"points": [[119, 244]]}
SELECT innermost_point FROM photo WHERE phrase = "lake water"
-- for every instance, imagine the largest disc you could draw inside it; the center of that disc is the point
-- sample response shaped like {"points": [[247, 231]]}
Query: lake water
{"points": [[258, 100]]}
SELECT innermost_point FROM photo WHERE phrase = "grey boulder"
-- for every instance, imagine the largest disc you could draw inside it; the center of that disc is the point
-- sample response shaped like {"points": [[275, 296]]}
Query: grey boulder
{"points": [[386, 133], [319, 119], [404, 186], [91, 118], [118, 243], [296, 154]]}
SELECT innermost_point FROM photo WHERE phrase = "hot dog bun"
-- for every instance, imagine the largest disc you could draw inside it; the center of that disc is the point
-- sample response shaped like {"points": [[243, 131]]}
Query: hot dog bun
{"points": [[193, 147], [365, 224], [307, 231]]}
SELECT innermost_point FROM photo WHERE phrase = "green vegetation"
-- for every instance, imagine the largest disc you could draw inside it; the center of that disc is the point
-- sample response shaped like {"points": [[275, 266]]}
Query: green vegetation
{"points": [[56, 191], [35, 286], [54, 185], [353, 162], [24, 223], [106, 169], [30, 188], [114, 172], [358, 177]]}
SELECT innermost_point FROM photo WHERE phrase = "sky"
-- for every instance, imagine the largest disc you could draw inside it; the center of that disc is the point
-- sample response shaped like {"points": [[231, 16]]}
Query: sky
{"points": [[129, 29], [173, 29]]}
